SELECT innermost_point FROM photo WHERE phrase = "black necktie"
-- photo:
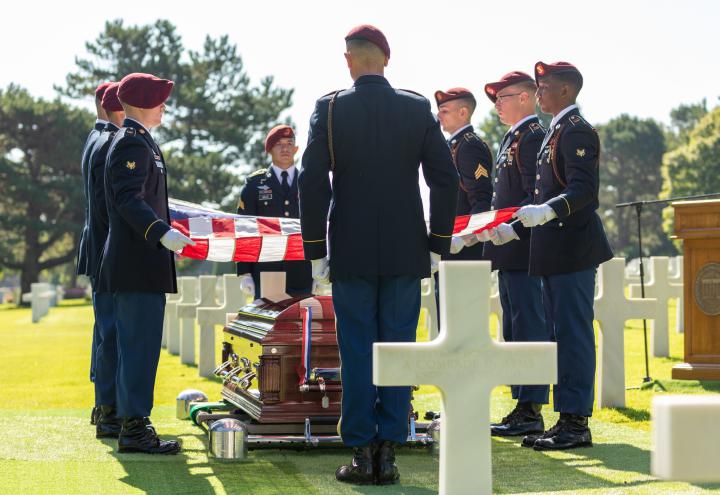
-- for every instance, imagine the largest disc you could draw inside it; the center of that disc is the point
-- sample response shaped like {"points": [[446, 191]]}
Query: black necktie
{"points": [[284, 184]]}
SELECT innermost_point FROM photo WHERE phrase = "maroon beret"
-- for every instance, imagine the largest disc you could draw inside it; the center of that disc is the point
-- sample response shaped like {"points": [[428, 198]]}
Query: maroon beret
{"points": [[144, 90], [110, 100], [542, 69], [276, 134], [372, 34], [442, 97], [514, 77], [100, 90]]}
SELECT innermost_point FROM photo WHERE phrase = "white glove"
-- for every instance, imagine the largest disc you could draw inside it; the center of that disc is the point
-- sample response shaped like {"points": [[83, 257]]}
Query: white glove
{"points": [[483, 236], [320, 289], [503, 234], [321, 270], [534, 215], [456, 245], [247, 284], [470, 240], [434, 262], [175, 240]]}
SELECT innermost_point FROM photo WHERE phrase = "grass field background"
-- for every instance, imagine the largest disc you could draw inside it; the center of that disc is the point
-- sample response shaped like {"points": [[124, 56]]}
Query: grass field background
{"points": [[47, 445]]}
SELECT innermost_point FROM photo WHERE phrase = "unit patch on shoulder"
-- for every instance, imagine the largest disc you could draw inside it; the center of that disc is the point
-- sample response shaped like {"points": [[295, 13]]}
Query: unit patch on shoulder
{"points": [[130, 165], [480, 171]]}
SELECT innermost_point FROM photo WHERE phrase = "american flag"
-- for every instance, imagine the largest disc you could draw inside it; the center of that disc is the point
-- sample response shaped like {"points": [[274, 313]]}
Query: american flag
{"points": [[221, 236]]}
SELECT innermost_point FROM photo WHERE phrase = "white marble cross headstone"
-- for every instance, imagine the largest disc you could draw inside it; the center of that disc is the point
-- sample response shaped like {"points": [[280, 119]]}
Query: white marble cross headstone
{"points": [[465, 364], [208, 317], [660, 289], [612, 310]]}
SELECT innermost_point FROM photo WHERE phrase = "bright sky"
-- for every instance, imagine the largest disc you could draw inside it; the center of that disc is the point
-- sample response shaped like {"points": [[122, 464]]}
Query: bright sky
{"points": [[637, 56]]}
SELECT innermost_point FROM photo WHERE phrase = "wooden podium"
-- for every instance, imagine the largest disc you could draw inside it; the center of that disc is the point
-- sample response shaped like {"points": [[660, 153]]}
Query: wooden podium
{"points": [[697, 223]]}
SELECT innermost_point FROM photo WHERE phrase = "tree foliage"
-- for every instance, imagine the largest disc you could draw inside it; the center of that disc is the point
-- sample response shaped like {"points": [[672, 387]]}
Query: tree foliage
{"points": [[41, 211], [630, 170], [216, 119]]}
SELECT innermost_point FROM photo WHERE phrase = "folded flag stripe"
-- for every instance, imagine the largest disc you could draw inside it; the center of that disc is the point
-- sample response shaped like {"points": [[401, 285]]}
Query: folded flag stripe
{"points": [[474, 224], [221, 236]]}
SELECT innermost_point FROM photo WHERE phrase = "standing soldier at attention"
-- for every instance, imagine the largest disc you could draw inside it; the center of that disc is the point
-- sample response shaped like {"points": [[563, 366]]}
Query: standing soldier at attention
{"points": [[373, 139], [82, 268], [107, 422], [567, 243], [520, 293], [473, 161], [138, 264], [273, 192]]}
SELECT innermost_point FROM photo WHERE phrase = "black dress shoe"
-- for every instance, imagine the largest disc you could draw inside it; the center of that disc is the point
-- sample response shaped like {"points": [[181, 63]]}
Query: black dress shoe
{"points": [[93, 415], [525, 419], [361, 470], [529, 440], [137, 436], [107, 424], [572, 432], [386, 470]]}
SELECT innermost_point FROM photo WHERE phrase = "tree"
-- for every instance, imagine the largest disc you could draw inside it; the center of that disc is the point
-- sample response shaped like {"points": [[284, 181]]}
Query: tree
{"points": [[216, 120], [41, 212], [630, 158], [694, 167], [683, 119]]}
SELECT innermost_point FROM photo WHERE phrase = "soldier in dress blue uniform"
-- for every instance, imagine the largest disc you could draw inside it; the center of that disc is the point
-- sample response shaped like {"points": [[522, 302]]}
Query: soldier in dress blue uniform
{"points": [[520, 293], [107, 423], [373, 138], [138, 264], [567, 243], [473, 161], [82, 269], [273, 192]]}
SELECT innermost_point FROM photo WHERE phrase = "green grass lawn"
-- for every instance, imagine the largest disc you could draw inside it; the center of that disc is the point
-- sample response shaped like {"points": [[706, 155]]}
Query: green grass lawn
{"points": [[47, 445]]}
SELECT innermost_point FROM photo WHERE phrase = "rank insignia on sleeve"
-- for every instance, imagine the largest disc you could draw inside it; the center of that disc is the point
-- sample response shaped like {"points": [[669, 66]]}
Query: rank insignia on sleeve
{"points": [[580, 152], [480, 171], [130, 165]]}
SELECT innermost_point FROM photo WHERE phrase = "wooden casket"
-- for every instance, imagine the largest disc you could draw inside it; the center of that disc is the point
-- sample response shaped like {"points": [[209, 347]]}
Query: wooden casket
{"points": [[264, 371]]}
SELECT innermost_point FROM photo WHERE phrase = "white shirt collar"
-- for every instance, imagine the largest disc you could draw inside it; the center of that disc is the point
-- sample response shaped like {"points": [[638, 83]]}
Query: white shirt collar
{"points": [[101, 121], [560, 115], [138, 123], [521, 122], [278, 173], [458, 132]]}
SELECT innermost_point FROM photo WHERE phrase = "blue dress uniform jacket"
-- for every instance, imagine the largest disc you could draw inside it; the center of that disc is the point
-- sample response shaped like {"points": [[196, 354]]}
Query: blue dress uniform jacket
{"points": [[82, 268], [263, 196], [569, 180], [98, 217], [138, 214], [515, 175], [473, 160], [380, 135]]}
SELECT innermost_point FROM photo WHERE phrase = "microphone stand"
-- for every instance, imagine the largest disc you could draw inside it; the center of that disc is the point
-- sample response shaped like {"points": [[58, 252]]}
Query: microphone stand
{"points": [[648, 382]]}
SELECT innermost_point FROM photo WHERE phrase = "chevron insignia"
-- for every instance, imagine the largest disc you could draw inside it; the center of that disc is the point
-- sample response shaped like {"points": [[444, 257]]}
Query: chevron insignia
{"points": [[480, 171]]}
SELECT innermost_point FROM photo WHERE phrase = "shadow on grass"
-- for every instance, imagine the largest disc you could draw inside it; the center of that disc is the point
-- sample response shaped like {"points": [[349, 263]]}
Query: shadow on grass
{"points": [[634, 414], [517, 469], [277, 472]]}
